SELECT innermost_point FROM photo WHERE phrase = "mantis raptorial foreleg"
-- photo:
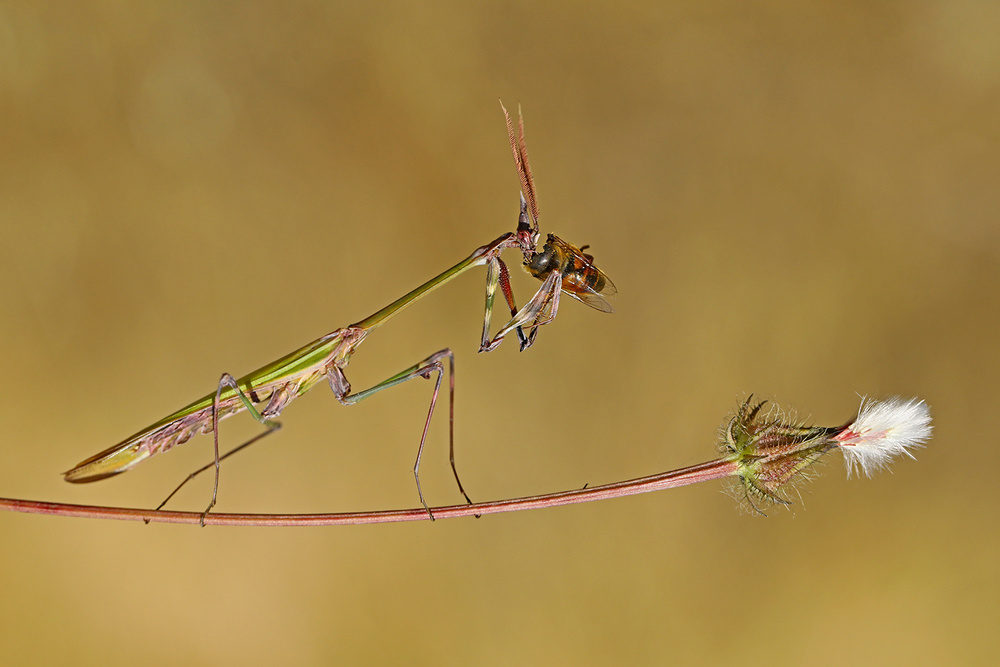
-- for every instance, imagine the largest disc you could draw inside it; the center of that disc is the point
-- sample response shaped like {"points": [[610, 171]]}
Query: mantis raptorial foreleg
{"points": [[434, 363], [498, 274]]}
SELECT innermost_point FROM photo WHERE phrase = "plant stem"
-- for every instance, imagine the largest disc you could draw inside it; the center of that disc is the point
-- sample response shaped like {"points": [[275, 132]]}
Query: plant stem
{"points": [[691, 475]]}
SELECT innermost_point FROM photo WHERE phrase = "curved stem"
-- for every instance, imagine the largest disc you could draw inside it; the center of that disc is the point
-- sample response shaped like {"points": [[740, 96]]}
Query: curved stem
{"points": [[691, 475]]}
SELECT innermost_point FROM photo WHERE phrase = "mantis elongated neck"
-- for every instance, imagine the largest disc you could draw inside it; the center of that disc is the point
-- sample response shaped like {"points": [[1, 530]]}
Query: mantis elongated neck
{"points": [[379, 318]]}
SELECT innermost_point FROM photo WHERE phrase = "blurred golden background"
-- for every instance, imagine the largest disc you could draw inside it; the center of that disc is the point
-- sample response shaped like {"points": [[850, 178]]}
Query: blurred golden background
{"points": [[794, 199]]}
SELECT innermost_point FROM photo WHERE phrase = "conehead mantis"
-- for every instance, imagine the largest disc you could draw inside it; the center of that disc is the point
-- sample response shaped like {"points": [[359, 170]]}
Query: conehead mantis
{"points": [[267, 391]]}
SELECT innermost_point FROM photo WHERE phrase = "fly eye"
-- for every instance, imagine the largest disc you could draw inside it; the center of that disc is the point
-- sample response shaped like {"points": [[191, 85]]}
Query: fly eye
{"points": [[540, 262]]}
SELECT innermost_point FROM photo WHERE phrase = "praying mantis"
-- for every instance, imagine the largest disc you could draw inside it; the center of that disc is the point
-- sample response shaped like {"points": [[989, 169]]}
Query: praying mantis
{"points": [[267, 391]]}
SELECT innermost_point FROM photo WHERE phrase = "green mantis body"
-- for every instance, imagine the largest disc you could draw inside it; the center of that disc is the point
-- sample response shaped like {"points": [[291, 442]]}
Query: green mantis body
{"points": [[266, 392]]}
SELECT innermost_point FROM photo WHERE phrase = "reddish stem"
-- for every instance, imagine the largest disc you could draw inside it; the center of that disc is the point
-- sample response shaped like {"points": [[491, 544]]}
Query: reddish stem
{"points": [[691, 475]]}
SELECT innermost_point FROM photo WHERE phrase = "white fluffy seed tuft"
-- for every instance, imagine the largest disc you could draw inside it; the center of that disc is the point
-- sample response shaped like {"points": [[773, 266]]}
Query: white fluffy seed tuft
{"points": [[883, 431]]}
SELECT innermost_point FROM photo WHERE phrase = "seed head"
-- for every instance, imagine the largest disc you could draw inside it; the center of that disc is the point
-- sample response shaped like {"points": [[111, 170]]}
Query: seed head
{"points": [[771, 450]]}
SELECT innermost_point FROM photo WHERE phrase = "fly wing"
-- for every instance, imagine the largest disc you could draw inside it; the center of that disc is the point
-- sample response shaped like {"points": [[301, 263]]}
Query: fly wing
{"points": [[592, 299], [609, 288], [583, 280]]}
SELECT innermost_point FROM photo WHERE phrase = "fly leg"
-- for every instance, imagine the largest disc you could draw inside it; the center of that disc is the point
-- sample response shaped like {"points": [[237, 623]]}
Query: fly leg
{"points": [[434, 363]]}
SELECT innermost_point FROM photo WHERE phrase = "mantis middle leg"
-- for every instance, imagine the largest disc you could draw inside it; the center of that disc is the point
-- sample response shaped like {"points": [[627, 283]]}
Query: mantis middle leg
{"points": [[434, 363]]}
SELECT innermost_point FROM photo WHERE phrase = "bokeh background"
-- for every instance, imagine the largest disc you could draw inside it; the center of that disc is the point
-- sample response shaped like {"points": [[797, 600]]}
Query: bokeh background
{"points": [[798, 200]]}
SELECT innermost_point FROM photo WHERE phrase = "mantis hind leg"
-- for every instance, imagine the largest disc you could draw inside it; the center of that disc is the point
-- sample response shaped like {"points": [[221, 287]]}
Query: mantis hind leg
{"points": [[434, 363], [225, 381]]}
